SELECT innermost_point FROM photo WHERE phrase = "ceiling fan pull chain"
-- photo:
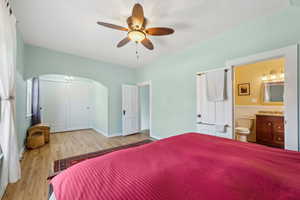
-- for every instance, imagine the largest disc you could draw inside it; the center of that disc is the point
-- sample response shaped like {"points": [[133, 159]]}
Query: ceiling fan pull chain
{"points": [[136, 52]]}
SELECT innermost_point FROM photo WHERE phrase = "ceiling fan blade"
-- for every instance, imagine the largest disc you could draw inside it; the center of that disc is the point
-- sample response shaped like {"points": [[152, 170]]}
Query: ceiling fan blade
{"points": [[113, 26], [148, 44], [138, 16], [123, 42], [159, 31]]}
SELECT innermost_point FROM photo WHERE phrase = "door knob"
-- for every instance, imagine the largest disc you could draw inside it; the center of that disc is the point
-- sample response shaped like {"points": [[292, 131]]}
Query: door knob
{"points": [[124, 112]]}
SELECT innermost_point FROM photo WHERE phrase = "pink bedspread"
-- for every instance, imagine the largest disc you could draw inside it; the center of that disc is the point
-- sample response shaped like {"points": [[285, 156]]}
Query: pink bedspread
{"points": [[186, 167]]}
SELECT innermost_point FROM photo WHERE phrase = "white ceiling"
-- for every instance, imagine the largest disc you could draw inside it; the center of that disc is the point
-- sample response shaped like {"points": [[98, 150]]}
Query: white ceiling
{"points": [[70, 25]]}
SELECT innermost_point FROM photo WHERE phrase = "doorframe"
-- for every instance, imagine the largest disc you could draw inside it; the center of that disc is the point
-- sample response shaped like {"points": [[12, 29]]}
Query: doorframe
{"points": [[142, 84], [290, 54], [77, 79]]}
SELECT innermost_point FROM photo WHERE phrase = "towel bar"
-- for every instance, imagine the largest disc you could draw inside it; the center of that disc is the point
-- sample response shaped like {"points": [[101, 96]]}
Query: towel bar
{"points": [[203, 123], [202, 73]]}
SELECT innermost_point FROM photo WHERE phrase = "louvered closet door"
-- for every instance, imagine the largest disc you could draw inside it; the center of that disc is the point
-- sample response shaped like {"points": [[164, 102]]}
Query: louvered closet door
{"points": [[211, 113]]}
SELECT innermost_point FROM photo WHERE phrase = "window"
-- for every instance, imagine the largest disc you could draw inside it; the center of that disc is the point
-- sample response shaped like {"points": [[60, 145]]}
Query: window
{"points": [[29, 98]]}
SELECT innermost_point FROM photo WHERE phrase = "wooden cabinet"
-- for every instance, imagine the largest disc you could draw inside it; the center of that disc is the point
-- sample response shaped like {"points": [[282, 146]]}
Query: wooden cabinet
{"points": [[270, 130]]}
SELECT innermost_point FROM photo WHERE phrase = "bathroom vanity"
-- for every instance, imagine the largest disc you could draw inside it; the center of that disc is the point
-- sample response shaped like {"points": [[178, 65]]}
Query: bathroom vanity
{"points": [[270, 130]]}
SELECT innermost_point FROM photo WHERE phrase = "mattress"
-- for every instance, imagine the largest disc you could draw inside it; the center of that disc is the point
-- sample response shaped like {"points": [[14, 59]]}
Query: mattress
{"points": [[185, 167]]}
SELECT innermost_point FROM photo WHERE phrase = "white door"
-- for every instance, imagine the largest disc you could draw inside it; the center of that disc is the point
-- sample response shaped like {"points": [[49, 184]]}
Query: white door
{"points": [[210, 114], [79, 105], [53, 103], [205, 109], [130, 109]]}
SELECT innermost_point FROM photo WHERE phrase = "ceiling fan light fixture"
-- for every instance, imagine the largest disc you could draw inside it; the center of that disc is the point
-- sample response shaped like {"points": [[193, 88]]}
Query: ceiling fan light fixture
{"points": [[136, 36], [137, 31]]}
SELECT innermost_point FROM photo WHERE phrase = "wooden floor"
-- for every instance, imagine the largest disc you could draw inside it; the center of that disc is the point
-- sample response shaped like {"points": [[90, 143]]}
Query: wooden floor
{"points": [[37, 164]]}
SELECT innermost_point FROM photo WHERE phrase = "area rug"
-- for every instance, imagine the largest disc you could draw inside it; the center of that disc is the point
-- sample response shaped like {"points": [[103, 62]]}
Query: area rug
{"points": [[60, 165]]}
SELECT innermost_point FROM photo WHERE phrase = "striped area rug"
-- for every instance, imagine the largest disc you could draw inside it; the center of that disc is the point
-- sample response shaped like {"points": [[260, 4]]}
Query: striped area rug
{"points": [[60, 165]]}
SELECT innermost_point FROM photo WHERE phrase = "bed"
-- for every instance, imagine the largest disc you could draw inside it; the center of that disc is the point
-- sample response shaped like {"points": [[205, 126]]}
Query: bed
{"points": [[190, 166]]}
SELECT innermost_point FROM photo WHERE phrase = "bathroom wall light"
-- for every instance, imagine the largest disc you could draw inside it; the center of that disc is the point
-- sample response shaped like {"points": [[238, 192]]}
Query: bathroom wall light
{"points": [[281, 75], [273, 76], [264, 78]]}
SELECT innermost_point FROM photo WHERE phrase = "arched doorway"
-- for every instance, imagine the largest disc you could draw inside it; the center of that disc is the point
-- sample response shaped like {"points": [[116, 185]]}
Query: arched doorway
{"points": [[70, 103]]}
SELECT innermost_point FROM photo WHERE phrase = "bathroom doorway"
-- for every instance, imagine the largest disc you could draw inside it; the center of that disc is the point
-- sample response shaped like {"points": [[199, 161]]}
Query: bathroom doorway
{"points": [[259, 102], [291, 88], [144, 99], [145, 103]]}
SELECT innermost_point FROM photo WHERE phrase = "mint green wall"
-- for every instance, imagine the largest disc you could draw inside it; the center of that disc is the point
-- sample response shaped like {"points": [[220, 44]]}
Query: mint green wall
{"points": [[39, 61], [174, 77], [22, 123]]}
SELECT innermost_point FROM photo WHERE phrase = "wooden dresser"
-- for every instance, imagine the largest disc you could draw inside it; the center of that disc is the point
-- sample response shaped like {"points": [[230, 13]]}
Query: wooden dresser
{"points": [[270, 130]]}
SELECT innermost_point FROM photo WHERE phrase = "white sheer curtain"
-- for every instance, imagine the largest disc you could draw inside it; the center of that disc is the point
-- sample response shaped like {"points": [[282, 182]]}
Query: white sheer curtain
{"points": [[10, 170]]}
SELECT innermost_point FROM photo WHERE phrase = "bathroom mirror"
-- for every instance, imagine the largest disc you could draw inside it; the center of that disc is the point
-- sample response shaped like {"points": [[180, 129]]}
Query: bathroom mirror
{"points": [[273, 92]]}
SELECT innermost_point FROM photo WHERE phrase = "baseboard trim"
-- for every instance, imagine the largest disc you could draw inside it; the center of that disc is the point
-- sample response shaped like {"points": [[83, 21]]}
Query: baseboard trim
{"points": [[115, 135], [156, 137], [101, 132]]}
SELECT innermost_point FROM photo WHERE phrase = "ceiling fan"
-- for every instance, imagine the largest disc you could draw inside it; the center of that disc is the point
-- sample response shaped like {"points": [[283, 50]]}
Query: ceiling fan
{"points": [[137, 30]]}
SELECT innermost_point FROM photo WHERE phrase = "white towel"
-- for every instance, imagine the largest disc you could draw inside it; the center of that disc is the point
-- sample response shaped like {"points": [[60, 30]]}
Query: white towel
{"points": [[215, 85], [205, 108]]}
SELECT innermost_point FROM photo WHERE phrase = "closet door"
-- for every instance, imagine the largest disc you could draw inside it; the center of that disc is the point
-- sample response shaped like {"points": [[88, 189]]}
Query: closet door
{"points": [[210, 114], [224, 109], [205, 110], [79, 116], [53, 102]]}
